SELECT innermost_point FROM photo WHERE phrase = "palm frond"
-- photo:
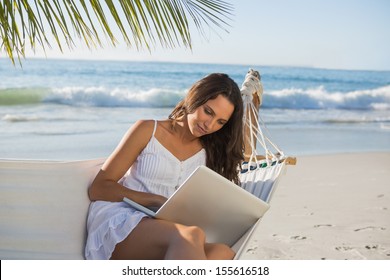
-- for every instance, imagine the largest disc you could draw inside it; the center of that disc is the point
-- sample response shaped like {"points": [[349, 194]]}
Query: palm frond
{"points": [[141, 23]]}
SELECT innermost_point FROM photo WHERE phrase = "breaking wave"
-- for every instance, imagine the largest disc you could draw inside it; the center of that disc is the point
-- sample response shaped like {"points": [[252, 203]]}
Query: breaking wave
{"points": [[289, 98], [319, 98]]}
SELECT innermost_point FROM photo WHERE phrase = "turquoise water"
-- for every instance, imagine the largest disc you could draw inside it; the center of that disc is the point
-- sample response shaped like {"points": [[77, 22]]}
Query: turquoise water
{"points": [[54, 109]]}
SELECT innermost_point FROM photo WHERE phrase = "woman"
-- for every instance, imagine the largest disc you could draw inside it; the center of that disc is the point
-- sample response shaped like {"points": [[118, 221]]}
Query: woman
{"points": [[203, 129]]}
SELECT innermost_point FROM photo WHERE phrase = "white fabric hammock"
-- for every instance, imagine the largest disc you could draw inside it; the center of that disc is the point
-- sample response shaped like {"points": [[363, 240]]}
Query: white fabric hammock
{"points": [[43, 208]]}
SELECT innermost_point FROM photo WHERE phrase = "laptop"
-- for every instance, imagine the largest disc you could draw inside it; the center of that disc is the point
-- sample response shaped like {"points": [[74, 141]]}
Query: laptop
{"points": [[206, 199]]}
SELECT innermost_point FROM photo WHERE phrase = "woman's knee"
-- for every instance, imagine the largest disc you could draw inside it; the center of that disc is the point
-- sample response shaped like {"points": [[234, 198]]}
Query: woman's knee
{"points": [[191, 234], [218, 251]]}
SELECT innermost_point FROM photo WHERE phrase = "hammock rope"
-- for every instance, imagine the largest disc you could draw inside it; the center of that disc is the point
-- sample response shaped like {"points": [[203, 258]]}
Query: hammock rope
{"points": [[259, 173]]}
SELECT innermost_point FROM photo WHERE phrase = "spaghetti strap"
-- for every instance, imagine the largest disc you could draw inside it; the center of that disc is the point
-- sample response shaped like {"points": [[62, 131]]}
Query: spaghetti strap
{"points": [[155, 127]]}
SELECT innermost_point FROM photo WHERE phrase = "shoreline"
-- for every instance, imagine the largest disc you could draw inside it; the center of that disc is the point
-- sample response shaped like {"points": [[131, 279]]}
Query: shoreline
{"points": [[334, 206]]}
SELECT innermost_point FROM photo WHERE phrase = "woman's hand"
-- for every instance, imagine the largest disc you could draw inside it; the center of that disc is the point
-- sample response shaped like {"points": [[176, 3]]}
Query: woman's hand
{"points": [[154, 200]]}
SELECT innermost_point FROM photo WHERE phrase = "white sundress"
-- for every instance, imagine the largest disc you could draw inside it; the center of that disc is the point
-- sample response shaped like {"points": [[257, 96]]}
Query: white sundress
{"points": [[156, 170]]}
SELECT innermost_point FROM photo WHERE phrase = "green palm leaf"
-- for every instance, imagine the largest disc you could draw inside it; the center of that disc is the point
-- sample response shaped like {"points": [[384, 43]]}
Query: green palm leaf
{"points": [[141, 23]]}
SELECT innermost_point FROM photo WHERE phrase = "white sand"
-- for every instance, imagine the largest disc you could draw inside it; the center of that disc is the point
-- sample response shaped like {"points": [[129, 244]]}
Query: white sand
{"points": [[328, 207]]}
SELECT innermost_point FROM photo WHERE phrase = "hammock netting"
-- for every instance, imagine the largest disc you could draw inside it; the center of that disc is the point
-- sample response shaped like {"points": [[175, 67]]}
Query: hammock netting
{"points": [[260, 171]]}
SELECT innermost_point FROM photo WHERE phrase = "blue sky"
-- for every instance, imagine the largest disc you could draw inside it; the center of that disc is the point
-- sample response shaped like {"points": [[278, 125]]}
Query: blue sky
{"points": [[337, 34]]}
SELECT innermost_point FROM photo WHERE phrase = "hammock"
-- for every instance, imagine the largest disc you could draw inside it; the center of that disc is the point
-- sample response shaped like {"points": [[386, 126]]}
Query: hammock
{"points": [[43, 208], [44, 204], [259, 173]]}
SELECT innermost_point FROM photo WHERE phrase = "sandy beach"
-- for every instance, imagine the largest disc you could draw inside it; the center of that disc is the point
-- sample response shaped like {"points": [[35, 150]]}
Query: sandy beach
{"points": [[328, 207]]}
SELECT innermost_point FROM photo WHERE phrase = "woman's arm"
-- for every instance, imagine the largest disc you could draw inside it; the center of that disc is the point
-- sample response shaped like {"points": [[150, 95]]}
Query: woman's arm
{"points": [[106, 186]]}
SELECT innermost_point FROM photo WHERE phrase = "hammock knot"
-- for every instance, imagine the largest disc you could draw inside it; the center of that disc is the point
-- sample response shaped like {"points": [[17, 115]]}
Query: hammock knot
{"points": [[252, 85]]}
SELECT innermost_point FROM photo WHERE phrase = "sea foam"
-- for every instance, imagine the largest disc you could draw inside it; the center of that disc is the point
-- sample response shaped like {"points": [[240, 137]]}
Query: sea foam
{"points": [[319, 98], [377, 99], [116, 97]]}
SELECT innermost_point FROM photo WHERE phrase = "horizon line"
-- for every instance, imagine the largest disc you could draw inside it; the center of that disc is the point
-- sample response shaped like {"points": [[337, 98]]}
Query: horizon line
{"points": [[97, 59]]}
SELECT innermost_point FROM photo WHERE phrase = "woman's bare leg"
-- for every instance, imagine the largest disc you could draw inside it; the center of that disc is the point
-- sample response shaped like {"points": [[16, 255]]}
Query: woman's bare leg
{"points": [[217, 251], [159, 239]]}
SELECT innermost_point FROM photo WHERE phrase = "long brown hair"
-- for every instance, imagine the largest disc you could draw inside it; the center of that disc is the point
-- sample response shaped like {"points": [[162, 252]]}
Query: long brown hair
{"points": [[224, 148]]}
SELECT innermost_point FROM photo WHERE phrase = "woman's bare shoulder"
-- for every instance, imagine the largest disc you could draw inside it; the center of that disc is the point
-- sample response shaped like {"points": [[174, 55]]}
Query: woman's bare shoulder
{"points": [[143, 125], [131, 145], [141, 131], [166, 124]]}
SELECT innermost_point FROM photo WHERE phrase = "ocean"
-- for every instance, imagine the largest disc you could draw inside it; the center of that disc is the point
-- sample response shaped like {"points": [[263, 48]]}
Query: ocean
{"points": [[72, 110]]}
